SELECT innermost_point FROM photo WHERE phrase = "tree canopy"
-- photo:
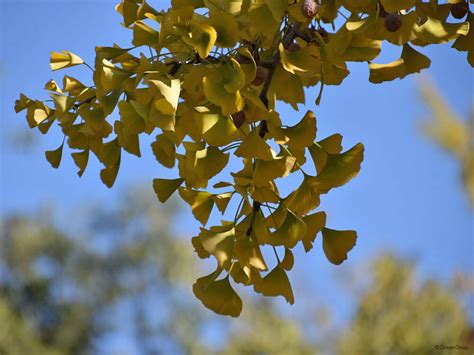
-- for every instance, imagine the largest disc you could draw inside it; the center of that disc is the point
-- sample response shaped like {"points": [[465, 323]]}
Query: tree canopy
{"points": [[205, 76]]}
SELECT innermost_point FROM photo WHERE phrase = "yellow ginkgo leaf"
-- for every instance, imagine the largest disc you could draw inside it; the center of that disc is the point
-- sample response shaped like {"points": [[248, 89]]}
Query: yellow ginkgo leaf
{"points": [[53, 86], [268, 170], [227, 28], [410, 62], [110, 154], [199, 248], [319, 156], [219, 242], [339, 169], [266, 194], [133, 122], [94, 122], [386, 72], [62, 103], [164, 188], [305, 198], [288, 261], [362, 49], [222, 200], [108, 77], [218, 296], [244, 275], [222, 85], [276, 283], [108, 175], [54, 156], [197, 167], [336, 244], [110, 52], [37, 112], [282, 80], [202, 38], [74, 86], [259, 228], [277, 217], [254, 146], [81, 159], [466, 42], [277, 8], [314, 224], [247, 64], [332, 144], [144, 35], [305, 61], [201, 203], [301, 135], [434, 31], [167, 98], [289, 233], [64, 59], [259, 21], [217, 130], [414, 61], [248, 252], [128, 141], [23, 103], [164, 150]]}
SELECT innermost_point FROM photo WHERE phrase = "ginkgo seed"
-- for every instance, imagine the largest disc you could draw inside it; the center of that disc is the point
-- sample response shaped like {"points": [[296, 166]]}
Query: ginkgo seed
{"points": [[260, 76], [309, 8], [393, 22], [459, 10]]}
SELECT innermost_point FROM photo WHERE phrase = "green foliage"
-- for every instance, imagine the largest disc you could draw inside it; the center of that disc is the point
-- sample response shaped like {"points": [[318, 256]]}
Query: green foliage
{"points": [[210, 84], [143, 270], [59, 292], [398, 316]]}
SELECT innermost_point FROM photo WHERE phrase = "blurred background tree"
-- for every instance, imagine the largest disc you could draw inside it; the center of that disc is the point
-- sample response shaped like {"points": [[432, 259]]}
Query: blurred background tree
{"points": [[398, 314], [452, 133], [123, 277]]}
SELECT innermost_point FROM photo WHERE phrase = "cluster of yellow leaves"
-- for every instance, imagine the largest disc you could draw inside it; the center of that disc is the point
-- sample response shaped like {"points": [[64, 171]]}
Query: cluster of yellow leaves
{"points": [[208, 85]]}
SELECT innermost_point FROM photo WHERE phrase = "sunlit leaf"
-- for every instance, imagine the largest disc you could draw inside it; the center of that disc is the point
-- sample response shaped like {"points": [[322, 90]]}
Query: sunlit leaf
{"points": [[219, 242], [64, 59]]}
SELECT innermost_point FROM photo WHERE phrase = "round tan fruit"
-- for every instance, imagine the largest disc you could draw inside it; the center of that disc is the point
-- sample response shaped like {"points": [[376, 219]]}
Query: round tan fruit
{"points": [[260, 76], [459, 10], [393, 22], [309, 8]]}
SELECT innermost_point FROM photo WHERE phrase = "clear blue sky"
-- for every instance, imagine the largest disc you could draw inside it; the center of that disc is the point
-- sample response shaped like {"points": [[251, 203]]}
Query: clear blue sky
{"points": [[407, 198]]}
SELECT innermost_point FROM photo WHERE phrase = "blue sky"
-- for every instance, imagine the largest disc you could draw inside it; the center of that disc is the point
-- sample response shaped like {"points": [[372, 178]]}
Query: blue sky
{"points": [[407, 198]]}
